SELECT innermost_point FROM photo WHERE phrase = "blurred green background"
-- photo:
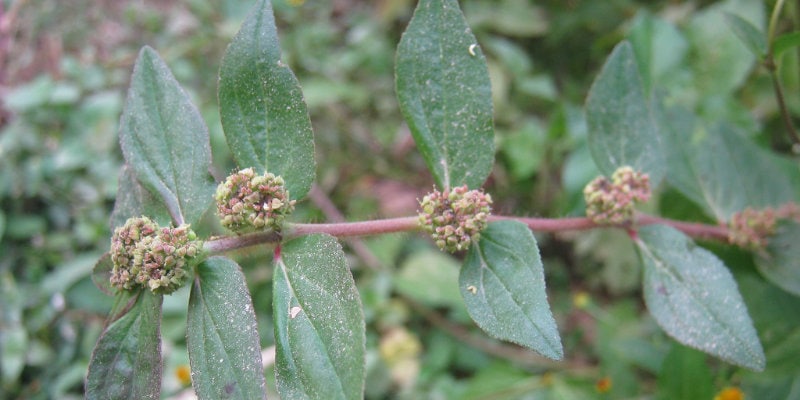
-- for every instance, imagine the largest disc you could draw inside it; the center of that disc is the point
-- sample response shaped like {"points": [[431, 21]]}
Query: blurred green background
{"points": [[64, 69]]}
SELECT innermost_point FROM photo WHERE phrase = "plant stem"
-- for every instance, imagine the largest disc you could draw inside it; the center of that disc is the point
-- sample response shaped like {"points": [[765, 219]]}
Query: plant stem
{"points": [[360, 228], [405, 224], [769, 63]]}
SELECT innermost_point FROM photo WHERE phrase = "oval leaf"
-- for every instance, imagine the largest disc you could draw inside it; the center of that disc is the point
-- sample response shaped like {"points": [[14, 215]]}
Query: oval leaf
{"points": [[780, 263], [263, 113], [165, 141], [445, 94], [126, 362], [502, 283], [319, 322], [727, 179], [694, 298], [222, 335], [622, 130]]}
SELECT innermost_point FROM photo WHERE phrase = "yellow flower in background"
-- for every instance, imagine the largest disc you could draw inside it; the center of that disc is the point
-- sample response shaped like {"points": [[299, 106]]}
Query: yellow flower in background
{"points": [[730, 393]]}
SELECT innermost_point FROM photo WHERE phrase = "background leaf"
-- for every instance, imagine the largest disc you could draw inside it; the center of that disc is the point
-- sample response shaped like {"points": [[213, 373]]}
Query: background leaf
{"points": [[263, 113], [222, 335], [727, 179], [694, 298], [502, 283], [685, 375], [780, 262], [126, 363], [752, 37], [319, 323], [445, 94], [622, 130], [165, 141]]}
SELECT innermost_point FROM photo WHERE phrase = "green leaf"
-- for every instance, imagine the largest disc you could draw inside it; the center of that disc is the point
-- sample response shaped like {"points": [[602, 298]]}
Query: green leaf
{"points": [[262, 110], [101, 274], [785, 42], [165, 141], [694, 298], [126, 362], [685, 375], [649, 35], [430, 277], [222, 334], [780, 263], [319, 322], [718, 168], [445, 94], [133, 200], [752, 37], [502, 283], [622, 130]]}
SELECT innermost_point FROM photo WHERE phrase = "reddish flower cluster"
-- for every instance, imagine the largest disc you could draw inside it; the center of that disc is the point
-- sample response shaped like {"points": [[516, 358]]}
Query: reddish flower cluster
{"points": [[612, 202], [455, 218], [750, 228], [145, 255], [247, 202]]}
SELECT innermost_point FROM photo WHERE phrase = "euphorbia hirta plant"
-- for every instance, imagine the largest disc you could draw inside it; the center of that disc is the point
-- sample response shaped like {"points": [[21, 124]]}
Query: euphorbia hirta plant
{"points": [[444, 93]]}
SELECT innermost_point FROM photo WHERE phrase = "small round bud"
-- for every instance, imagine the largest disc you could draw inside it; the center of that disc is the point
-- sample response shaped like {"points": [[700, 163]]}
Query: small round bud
{"points": [[247, 202], [454, 218], [612, 202], [146, 255]]}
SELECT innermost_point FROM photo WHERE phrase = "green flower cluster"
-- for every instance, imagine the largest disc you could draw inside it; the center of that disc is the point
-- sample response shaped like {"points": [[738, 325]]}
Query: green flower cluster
{"points": [[248, 202], [751, 228], [455, 218], [146, 255], [612, 202]]}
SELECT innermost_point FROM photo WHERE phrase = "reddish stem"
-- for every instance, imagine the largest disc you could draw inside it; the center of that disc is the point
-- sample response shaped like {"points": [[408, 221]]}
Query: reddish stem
{"points": [[404, 224]]}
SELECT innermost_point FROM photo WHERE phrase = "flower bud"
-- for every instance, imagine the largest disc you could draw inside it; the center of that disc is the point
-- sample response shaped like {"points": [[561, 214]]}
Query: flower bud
{"points": [[145, 255], [455, 218], [612, 202], [247, 202]]}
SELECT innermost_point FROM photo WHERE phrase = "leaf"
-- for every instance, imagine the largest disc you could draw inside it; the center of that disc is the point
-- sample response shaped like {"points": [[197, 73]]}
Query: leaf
{"points": [[718, 168], [262, 110], [751, 36], [165, 141], [502, 283], [780, 262], [785, 42], [445, 94], [319, 322], [430, 277], [622, 130], [694, 298], [126, 362], [133, 200], [685, 375], [222, 334], [101, 274]]}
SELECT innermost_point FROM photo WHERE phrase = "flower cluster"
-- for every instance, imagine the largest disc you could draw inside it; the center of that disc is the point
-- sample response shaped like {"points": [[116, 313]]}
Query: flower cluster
{"points": [[612, 202], [146, 255], [750, 228], [455, 218], [248, 202]]}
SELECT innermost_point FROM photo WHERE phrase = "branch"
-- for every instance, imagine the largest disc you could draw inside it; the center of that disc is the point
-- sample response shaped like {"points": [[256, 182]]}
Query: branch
{"points": [[405, 224]]}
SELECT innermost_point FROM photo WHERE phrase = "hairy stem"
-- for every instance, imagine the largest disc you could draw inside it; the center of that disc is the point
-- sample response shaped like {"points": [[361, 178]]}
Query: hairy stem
{"points": [[406, 224]]}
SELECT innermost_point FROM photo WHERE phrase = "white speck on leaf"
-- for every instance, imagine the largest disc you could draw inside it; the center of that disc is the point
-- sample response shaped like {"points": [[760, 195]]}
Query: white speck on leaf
{"points": [[472, 49], [294, 311]]}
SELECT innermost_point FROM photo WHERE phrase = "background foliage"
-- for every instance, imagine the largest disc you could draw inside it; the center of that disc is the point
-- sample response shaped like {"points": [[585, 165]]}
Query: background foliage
{"points": [[64, 68]]}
